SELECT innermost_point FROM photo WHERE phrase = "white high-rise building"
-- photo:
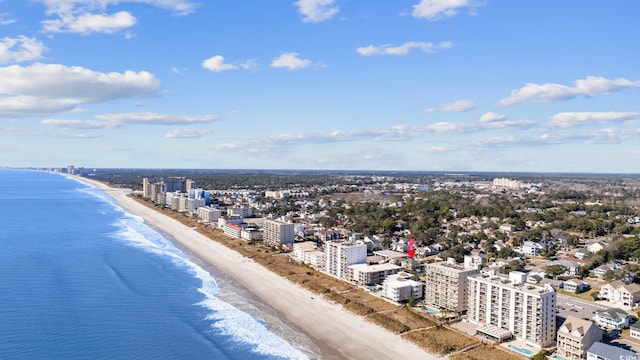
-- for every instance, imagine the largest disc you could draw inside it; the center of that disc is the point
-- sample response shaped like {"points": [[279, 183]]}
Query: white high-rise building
{"points": [[525, 310], [276, 233], [339, 255]]}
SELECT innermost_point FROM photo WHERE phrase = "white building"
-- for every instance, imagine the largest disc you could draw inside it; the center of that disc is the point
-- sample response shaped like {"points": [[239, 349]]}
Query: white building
{"points": [[299, 249], [339, 255], [612, 319], [531, 248], [251, 234], [277, 234], [623, 295], [527, 311], [240, 211], [446, 285], [402, 287], [208, 214], [232, 230], [364, 274]]}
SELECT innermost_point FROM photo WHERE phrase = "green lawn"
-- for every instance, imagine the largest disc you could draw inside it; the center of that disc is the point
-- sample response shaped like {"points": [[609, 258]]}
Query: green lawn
{"points": [[584, 295]]}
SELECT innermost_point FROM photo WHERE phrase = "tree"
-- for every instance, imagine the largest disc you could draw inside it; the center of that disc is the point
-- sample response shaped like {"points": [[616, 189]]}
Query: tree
{"points": [[541, 355], [555, 270]]}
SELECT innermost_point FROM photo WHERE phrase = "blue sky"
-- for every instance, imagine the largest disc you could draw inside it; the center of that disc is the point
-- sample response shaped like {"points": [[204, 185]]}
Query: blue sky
{"points": [[469, 85]]}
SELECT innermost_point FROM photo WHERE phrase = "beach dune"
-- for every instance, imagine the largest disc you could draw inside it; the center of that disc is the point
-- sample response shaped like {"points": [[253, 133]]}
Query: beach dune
{"points": [[338, 333]]}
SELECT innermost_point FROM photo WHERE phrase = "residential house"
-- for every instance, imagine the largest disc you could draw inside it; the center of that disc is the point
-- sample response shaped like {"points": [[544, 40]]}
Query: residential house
{"points": [[596, 246], [635, 330], [602, 351], [575, 286], [626, 296], [575, 337], [611, 319], [530, 248], [601, 270]]}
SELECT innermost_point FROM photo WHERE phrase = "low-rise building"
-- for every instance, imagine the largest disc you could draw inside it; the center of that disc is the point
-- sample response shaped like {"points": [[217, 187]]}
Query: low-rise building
{"points": [[626, 296], [208, 214], [402, 287], [635, 330], [602, 351], [575, 286], [364, 274], [612, 319], [575, 337]]}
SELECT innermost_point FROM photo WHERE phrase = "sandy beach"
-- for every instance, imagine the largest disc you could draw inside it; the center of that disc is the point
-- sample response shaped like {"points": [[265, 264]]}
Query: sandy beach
{"points": [[338, 333]]}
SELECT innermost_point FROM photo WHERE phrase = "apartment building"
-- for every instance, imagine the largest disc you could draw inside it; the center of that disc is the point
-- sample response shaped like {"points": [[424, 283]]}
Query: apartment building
{"points": [[401, 287], [339, 255], [525, 310], [276, 233], [575, 337], [208, 214], [364, 274], [446, 285], [623, 295]]}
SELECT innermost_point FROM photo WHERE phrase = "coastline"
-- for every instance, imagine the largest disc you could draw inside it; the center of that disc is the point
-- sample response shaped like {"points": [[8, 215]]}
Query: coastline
{"points": [[337, 333]]}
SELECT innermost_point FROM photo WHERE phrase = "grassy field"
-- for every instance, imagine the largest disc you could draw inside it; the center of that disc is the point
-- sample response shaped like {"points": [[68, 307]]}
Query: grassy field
{"points": [[394, 318], [483, 352], [584, 295]]}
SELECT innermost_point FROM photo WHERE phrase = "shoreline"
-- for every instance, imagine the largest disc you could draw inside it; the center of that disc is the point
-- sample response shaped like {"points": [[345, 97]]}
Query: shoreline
{"points": [[337, 333]]}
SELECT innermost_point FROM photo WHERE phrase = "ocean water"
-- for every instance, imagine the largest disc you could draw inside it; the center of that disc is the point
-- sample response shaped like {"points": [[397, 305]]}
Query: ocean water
{"points": [[82, 279]]}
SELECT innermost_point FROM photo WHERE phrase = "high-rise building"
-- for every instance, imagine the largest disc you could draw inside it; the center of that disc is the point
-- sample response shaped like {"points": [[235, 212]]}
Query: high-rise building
{"points": [[190, 185], [527, 311], [146, 188], [447, 284], [175, 183], [339, 255], [276, 233]]}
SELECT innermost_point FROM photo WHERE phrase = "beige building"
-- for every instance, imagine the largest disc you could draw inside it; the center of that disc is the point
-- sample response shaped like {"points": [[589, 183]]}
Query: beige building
{"points": [[623, 295], [364, 274], [208, 214], [446, 285], [277, 234], [527, 311], [575, 337]]}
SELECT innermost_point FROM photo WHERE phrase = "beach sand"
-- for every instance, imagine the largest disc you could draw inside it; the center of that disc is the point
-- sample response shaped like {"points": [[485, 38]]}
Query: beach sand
{"points": [[337, 333]]}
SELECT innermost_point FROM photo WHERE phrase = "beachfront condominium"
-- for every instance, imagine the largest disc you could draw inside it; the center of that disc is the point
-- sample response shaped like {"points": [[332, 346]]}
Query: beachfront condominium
{"points": [[446, 284], [278, 234], [526, 311], [339, 255]]}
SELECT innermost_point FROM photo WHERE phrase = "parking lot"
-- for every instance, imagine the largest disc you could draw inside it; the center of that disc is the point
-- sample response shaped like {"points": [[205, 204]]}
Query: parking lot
{"points": [[571, 306]]}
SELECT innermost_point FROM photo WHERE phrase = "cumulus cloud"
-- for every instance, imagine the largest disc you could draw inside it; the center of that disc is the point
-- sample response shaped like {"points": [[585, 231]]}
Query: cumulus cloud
{"points": [[90, 23], [455, 106], [216, 64], [425, 47], [19, 49], [439, 9], [571, 119], [316, 10], [291, 61], [186, 133], [91, 16], [589, 86], [44, 88], [117, 120]]}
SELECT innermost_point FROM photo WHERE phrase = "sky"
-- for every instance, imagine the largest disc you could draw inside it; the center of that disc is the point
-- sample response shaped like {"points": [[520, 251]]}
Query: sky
{"points": [[420, 85]]}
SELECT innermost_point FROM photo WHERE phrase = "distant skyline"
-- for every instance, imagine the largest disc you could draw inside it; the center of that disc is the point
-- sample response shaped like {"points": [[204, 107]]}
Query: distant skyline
{"points": [[420, 85]]}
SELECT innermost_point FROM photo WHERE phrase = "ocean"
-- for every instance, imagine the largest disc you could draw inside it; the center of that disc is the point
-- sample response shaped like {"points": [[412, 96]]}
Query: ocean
{"points": [[82, 279]]}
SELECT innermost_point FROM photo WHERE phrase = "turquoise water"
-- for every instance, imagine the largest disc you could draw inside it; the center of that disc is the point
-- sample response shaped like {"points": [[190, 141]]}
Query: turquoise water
{"points": [[430, 310], [558, 357], [520, 350]]}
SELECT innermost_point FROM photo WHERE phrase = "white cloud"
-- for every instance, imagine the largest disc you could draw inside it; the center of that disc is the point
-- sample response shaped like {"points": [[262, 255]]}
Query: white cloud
{"points": [[186, 134], [6, 19], [589, 86], [455, 106], [216, 64], [44, 88], [90, 23], [571, 119], [491, 116], [438, 9], [117, 120], [91, 16], [425, 47], [19, 49], [316, 10], [291, 61]]}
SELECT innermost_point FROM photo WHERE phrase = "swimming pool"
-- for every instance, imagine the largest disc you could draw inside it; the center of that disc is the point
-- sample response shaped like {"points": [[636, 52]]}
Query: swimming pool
{"points": [[558, 357], [430, 310], [523, 351]]}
